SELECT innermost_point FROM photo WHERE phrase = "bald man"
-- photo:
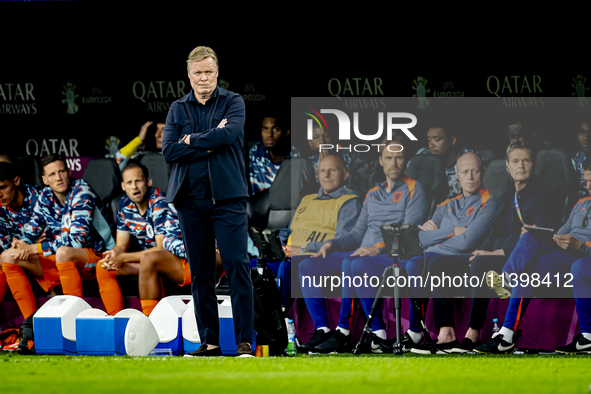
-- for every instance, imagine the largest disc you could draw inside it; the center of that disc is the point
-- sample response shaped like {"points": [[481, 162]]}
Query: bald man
{"points": [[457, 226]]}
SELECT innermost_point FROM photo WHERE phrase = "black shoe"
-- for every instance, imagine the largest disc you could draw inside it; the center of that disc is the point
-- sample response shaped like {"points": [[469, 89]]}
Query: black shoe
{"points": [[406, 341], [26, 345], [495, 282], [440, 348], [580, 345], [466, 346], [496, 345], [338, 343], [244, 350], [203, 352], [371, 345], [319, 337]]}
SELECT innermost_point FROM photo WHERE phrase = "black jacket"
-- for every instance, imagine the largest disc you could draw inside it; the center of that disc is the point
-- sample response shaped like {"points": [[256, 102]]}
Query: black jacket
{"points": [[226, 161], [538, 205]]}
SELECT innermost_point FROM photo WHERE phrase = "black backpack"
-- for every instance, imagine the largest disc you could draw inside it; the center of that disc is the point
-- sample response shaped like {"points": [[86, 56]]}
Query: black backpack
{"points": [[269, 312]]}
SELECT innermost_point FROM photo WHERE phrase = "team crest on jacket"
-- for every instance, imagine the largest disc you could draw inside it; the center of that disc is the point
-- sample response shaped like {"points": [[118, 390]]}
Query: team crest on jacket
{"points": [[67, 220], [149, 231], [397, 197], [470, 211]]}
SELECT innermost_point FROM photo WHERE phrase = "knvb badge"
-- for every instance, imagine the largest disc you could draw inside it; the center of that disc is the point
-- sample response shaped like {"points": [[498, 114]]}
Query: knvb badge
{"points": [[318, 121]]}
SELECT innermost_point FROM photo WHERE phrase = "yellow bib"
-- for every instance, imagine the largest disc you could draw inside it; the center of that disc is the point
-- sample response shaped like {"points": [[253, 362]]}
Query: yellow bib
{"points": [[316, 220]]}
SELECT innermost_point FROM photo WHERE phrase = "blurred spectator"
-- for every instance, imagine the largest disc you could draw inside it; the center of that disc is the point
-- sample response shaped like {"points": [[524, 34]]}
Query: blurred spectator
{"points": [[579, 158], [444, 142], [320, 136], [143, 143], [266, 156], [7, 157]]}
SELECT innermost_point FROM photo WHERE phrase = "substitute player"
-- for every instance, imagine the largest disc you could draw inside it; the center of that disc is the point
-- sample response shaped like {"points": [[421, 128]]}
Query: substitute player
{"points": [[72, 249]]}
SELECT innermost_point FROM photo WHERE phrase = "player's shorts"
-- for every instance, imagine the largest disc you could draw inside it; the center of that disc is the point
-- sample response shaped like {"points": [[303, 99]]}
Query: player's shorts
{"points": [[186, 273], [92, 258]]}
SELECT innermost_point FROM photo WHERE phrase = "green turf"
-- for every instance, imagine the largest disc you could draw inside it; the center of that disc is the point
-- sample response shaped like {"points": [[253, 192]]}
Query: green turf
{"points": [[302, 374]]}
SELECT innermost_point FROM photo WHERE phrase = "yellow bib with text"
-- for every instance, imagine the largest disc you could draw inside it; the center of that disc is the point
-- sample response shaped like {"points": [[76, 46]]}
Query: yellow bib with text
{"points": [[316, 220]]}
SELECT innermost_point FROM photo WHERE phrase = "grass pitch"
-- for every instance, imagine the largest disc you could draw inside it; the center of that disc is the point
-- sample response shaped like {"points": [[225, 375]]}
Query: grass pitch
{"points": [[307, 374]]}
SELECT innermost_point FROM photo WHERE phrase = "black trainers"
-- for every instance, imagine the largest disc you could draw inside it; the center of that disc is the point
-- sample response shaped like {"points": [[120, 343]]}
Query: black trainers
{"points": [[501, 287], [441, 348], [466, 346], [496, 345], [580, 345], [372, 345], [338, 343], [406, 341], [204, 352], [319, 337]]}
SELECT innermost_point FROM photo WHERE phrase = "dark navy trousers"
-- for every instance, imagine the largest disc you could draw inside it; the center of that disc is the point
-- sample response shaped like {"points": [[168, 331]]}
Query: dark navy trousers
{"points": [[202, 222]]}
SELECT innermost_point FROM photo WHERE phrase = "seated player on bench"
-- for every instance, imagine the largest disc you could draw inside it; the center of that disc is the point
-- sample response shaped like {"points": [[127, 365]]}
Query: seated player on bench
{"points": [[72, 249]]}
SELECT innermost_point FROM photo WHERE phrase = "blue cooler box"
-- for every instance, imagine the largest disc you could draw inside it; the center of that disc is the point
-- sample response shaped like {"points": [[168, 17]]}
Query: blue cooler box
{"points": [[99, 334], [54, 325], [103, 335], [167, 319]]}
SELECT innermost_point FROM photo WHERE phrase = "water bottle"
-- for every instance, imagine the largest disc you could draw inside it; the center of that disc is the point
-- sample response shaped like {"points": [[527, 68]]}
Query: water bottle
{"points": [[495, 326], [291, 348]]}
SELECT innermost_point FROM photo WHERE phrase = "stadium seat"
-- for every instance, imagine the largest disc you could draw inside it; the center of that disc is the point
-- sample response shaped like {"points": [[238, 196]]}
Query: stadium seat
{"points": [[114, 205], [555, 169], [496, 178], [104, 176], [158, 170], [486, 155], [364, 172], [428, 170], [258, 209], [30, 171], [272, 208]]}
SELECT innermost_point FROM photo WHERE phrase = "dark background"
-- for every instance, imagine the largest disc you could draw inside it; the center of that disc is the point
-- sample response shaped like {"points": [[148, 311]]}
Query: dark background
{"points": [[104, 50]]}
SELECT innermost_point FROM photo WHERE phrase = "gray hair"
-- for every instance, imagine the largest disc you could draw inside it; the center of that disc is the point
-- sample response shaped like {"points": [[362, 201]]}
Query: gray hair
{"points": [[520, 145]]}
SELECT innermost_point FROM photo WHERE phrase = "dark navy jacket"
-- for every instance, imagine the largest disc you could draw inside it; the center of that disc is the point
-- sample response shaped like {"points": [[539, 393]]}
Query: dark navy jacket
{"points": [[226, 163], [538, 205]]}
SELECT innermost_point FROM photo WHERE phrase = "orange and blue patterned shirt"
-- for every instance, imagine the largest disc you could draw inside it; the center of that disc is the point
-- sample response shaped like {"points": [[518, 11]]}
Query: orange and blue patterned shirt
{"points": [[70, 224], [144, 228], [16, 224]]}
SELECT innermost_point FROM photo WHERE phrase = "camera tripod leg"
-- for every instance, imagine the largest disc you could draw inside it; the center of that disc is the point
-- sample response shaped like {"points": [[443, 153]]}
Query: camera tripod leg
{"points": [[397, 306], [416, 304], [377, 303]]}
